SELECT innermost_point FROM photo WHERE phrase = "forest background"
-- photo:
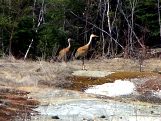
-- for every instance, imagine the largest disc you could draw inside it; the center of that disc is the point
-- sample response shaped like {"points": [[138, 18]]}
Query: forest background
{"points": [[40, 28]]}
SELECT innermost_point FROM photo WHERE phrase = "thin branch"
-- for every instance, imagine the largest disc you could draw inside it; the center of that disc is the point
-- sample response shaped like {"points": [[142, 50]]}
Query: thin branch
{"points": [[115, 13], [97, 28], [132, 30]]}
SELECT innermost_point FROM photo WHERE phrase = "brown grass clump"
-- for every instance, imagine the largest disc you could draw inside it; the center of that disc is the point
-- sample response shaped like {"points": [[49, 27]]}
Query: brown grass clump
{"points": [[80, 83], [148, 90], [152, 84]]}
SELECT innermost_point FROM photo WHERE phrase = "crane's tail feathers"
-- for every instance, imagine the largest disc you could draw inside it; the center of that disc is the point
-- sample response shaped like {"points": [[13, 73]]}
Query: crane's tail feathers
{"points": [[76, 55]]}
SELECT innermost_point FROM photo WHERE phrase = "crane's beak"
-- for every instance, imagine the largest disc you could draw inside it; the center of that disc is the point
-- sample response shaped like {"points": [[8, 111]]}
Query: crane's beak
{"points": [[96, 36]]}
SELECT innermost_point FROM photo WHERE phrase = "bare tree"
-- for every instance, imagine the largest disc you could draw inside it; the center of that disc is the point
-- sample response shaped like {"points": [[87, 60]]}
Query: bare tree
{"points": [[2, 32], [132, 37], [103, 9], [110, 47], [111, 22], [40, 20], [13, 24], [159, 7], [11, 33], [132, 5]]}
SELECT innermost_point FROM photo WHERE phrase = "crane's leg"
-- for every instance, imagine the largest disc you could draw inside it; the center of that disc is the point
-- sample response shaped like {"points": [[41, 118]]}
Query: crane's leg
{"points": [[83, 65], [65, 58]]}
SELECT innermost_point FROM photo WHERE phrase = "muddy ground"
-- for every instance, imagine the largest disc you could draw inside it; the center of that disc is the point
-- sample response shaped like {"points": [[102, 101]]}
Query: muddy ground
{"points": [[51, 84]]}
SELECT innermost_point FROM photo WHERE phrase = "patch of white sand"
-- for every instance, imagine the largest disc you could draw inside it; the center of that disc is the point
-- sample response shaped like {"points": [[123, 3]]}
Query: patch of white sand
{"points": [[91, 73], [118, 88]]}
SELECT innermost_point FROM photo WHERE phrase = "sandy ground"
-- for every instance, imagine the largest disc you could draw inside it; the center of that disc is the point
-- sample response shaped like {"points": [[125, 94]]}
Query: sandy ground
{"points": [[42, 80]]}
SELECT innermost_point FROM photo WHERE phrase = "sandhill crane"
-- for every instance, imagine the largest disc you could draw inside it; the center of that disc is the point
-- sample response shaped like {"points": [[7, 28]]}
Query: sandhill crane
{"points": [[64, 52], [82, 51]]}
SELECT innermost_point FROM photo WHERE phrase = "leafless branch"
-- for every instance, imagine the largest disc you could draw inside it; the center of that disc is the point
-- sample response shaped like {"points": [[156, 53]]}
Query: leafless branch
{"points": [[121, 10], [98, 28]]}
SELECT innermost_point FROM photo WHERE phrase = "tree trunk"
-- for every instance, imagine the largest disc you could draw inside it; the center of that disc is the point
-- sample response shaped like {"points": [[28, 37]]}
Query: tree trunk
{"points": [[159, 16], [102, 27], [10, 42], [110, 47]]}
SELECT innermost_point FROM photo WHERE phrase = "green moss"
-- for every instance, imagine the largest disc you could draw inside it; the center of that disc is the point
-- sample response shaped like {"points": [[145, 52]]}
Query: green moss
{"points": [[80, 83]]}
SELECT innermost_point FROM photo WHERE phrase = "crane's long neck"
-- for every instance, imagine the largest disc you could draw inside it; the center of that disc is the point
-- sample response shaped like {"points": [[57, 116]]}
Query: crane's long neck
{"points": [[68, 44], [89, 41]]}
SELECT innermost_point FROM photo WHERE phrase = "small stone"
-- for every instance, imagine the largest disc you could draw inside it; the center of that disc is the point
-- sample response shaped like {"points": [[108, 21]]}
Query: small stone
{"points": [[102, 116], [151, 112], [55, 117], [84, 119]]}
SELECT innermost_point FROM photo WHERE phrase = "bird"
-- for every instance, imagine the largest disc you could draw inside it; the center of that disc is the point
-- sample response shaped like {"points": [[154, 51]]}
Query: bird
{"points": [[64, 52], [82, 51]]}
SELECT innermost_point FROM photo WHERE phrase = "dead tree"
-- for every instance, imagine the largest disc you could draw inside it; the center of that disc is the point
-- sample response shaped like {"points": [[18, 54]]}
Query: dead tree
{"points": [[159, 7], [132, 37], [40, 21]]}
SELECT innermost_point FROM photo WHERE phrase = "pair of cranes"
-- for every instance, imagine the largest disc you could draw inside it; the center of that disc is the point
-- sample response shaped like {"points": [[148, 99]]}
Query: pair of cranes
{"points": [[81, 51]]}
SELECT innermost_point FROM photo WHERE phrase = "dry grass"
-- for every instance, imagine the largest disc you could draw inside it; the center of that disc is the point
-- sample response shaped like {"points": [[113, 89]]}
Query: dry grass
{"points": [[31, 73], [41, 73]]}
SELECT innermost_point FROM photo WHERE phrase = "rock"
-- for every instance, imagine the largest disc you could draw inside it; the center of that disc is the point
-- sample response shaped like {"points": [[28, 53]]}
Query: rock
{"points": [[55, 117], [103, 116]]}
